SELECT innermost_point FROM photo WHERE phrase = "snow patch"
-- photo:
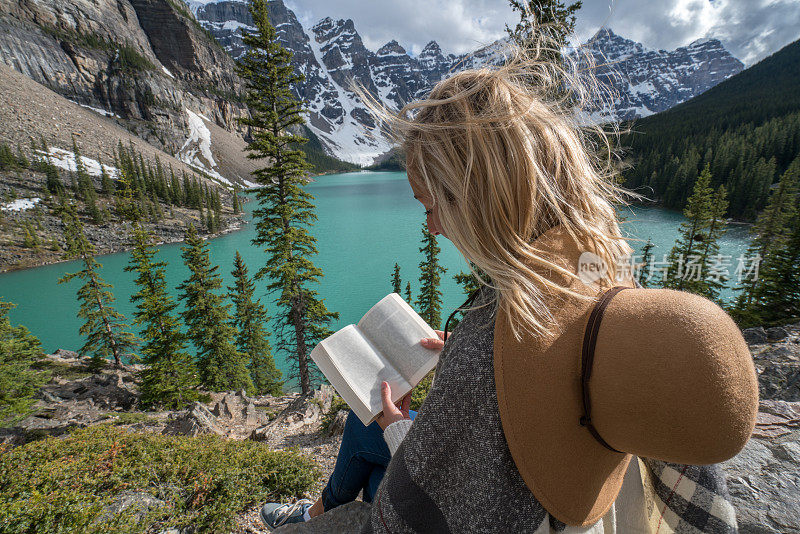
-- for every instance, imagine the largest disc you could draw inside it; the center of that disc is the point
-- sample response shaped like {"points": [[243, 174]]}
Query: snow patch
{"points": [[646, 87], [65, 159], [196, 151], [201, 135], [195, 5], [101, 111], [21, 204], [167, 72], [348, 140]]}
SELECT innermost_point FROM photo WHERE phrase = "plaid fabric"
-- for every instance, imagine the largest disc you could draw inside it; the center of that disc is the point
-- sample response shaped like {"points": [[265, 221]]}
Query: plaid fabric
{"points": [[686, 498]]}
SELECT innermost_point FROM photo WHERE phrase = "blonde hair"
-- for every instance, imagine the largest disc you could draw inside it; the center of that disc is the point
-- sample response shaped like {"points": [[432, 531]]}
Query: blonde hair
{"points": [[502, 153]]}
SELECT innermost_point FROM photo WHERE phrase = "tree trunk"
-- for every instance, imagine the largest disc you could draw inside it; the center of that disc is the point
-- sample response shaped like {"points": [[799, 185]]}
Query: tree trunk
{"points": [[109, 330], [300, 338]]}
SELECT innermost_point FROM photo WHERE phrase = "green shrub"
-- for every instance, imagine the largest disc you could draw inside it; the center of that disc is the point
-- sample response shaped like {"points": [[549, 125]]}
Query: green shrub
{"points": [[22, 159], [421, 391], [19, 351], [63, 370], [130, 60], [66, 485], [7, 158]]}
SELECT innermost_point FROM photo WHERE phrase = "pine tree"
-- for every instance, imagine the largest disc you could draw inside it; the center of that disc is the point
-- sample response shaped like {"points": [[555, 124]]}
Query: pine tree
{"points": [[210, 222], [552, 16], [105, 181], [249, 318], [73, 185], [715, 277], [175, 189], [19, 379], [684, 270], [221, 366], [217, 220], [170, 379], [31, 238], [397, 284], [756, 304], [647, 260], [429, 301], [7, 158], [468, 284], [126, 207], [408, 293], [22, 160], [780, 281], [237, 208], [104, 327], [285, 208], [85, 186], [53, 183]]}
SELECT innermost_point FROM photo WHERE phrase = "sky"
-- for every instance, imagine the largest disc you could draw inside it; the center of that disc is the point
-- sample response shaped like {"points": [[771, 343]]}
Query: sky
{"points": [[749, 29]]}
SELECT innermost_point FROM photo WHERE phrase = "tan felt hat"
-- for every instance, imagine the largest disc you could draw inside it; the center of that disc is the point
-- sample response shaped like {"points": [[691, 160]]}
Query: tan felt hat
{"points": [[671, 378]]}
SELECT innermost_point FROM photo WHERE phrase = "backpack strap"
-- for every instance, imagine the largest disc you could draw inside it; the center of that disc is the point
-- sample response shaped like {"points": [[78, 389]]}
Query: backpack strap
{"points": [[587, 358]]}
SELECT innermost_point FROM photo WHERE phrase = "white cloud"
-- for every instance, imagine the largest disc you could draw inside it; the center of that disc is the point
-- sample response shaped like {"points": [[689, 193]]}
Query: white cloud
{"points": [[457, 25], [750, 29]]}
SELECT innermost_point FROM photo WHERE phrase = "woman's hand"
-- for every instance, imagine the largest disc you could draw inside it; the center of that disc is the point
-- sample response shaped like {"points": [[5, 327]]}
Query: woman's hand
{"points": [[395, 412], [392, 412], [434, 344]]}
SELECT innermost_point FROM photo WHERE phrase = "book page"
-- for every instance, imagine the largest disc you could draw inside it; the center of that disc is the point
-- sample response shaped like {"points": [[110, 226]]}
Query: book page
{"points": [[395, 329], [362, 369]]}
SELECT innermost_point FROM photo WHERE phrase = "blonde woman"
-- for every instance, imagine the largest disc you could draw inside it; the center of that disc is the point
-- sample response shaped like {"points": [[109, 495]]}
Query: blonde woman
{"points": [[498, 161]]}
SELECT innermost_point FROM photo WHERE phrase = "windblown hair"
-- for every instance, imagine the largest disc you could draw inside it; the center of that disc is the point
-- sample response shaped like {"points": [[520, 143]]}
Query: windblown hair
{"points": [[504, 156]]}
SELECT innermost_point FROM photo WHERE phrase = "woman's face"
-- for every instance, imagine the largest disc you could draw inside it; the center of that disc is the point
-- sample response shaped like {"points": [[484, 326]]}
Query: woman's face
{"points": [[432, 212]]}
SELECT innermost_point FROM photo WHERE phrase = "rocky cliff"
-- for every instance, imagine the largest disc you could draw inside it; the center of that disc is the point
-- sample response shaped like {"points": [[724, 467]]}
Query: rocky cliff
{"points": [[146, 63]]}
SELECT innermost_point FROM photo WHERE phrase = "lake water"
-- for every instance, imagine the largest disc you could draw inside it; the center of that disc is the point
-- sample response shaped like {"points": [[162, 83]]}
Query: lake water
{"points": [[367, 222]]}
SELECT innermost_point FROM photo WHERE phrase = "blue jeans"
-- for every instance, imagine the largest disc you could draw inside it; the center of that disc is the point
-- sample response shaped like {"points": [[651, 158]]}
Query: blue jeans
{"points": [[360, 464]]}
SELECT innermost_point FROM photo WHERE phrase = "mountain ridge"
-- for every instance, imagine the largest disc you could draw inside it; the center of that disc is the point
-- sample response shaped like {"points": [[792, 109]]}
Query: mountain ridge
{"points": [[331, 52]]}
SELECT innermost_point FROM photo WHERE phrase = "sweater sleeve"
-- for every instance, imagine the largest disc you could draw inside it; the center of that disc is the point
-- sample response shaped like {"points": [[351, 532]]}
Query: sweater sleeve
{"points": [[394, 433]]}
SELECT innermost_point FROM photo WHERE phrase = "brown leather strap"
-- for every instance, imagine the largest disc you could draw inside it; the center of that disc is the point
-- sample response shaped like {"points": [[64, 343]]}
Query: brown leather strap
{"points": [[587, 358]]}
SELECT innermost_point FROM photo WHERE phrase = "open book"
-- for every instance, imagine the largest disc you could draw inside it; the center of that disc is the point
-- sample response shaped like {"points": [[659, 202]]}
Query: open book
{"points": [[384, 345]]}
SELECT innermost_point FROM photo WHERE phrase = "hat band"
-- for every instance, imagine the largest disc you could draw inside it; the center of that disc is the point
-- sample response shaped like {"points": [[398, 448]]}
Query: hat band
{"points": [[587, 359]]}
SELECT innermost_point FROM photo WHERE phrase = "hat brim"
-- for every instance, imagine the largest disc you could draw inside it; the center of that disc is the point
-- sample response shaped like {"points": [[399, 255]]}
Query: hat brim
{"points": [[572, 475]]}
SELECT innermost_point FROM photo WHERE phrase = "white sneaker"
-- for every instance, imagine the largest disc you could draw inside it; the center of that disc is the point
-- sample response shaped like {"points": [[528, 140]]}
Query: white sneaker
{"points": [[275, 514]]}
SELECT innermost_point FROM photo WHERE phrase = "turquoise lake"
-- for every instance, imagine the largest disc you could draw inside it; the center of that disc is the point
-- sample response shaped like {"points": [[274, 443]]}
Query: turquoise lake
{"points": [[367, 222]]}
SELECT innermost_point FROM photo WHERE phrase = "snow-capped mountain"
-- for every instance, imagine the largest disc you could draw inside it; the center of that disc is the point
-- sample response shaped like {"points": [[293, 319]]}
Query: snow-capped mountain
{"points": [[644, 81], [332, 56]]}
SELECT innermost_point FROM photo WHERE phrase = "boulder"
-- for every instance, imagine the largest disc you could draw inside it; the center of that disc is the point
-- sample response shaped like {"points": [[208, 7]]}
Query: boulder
{"points": [[345, 519], [778, 368], [63, 354], [301, 413], [776, 333], [755, 336], [764, 478], [777, 418], [192, 422], [336, 428], [138, 503], [108, 391], [54, 420]]}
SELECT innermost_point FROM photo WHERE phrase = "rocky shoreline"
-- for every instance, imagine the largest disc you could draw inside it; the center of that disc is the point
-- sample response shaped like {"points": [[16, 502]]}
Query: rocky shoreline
{"points": [[108, 238], [764, 479]]}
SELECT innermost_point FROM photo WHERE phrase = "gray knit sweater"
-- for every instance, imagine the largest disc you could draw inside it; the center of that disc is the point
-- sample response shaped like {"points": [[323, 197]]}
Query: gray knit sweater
{"points": [[453, 472]]}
